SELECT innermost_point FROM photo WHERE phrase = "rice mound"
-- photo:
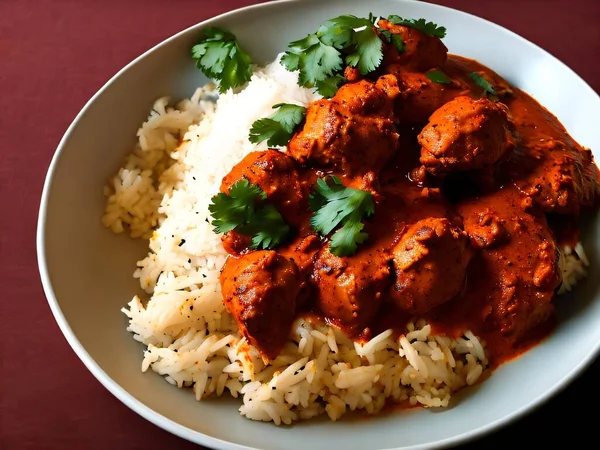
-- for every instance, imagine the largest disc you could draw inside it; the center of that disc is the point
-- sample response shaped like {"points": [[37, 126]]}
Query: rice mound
{"points": [[162, 194]]}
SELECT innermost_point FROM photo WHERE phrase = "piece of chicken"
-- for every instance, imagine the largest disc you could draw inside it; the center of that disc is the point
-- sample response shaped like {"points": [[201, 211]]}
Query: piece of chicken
{"points": [[430, 264], [350, 289], [276, 174], [260, 291], [303, 251], [466, 134], [518, 263], [353, 132], [559, 176], [421, 51], [420, 97]]}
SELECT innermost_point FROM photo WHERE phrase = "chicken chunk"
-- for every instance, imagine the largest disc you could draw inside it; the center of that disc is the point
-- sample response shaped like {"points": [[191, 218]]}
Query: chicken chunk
{"points": [[303, 251], [353, 132], [559, 177], [420, 97], [260, 291], [276, 174], [517, 275], [485, 229], [466, 134], [351, 288], [421, 51], [430, 263]]}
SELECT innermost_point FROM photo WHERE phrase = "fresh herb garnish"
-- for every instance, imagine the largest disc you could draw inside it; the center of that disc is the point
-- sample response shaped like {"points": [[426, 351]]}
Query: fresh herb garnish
{"points": [[483, 83], [278, 128], [398, 42], [429, 28], [220, 57], [242, 211], [437, 76], [329, 86], [333, 204], [320, 57], [394, 39]]}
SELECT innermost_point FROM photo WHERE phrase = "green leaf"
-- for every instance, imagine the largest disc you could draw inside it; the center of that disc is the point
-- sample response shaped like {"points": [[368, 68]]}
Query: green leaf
{"points": [[301, 45], [395, 39], [344, 242], [368, 52], [483, 83], [317, 63], [278, 129], [230, 210], [291, 61], [398, 43], [335, 205], [289, 115], [269, 130], [241, 211], [429, 28], [268, 228], [437, 76], [329, 86], [335, 34], [320, 57], [220, 57]]}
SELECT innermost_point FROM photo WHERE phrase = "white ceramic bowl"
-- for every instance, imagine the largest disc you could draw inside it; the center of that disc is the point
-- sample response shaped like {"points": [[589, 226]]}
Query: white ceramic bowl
{"points": [[87, 271]]}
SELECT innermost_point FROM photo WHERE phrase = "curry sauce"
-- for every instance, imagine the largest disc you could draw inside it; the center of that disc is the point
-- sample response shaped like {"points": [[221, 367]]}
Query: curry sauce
{"points": [[475, 196]]}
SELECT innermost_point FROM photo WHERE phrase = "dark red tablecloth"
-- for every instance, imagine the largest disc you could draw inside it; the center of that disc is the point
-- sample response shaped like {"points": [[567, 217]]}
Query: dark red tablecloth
{"points": [[54, 55]]}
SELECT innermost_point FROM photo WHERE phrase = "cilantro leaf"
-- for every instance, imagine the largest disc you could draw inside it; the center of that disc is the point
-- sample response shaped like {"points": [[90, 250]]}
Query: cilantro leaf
{"points": [[278, 129], [333, 205], [219, 56], [483, 83], [268, 228], [320, 57], [364, 47], [241, 211], [395, 39], [329, 86], [335, 34], [344, 241], [437, 76], [269, 130], [317, 63], [368, 52], [233, 209], [314, 59], [429, 28], [398, 43], [291, 61]]}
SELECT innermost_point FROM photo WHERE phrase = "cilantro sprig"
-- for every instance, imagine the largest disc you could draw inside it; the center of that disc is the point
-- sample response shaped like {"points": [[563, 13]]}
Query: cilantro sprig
{"points": [[320, 58], [395, 39], [278, 129], [483, 83], [242, 210], [429, 28], [342, 41], [219, 56], [333, 205], [437, 76]]}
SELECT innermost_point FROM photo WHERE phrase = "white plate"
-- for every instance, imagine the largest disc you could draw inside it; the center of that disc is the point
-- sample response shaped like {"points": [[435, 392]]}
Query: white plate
{"points": [[86, 270]]}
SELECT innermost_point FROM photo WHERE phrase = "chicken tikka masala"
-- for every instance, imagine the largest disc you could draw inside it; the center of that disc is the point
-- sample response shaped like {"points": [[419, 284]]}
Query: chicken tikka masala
{"points": [[455, 180]]}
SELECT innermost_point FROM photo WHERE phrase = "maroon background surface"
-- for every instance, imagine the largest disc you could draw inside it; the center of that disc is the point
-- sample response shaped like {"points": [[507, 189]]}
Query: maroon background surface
{"points": [[54, 55]]}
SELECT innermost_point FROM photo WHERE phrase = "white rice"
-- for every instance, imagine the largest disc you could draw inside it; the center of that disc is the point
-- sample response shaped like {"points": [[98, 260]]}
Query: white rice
{"points": [[162, 194], [574, 267]]}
